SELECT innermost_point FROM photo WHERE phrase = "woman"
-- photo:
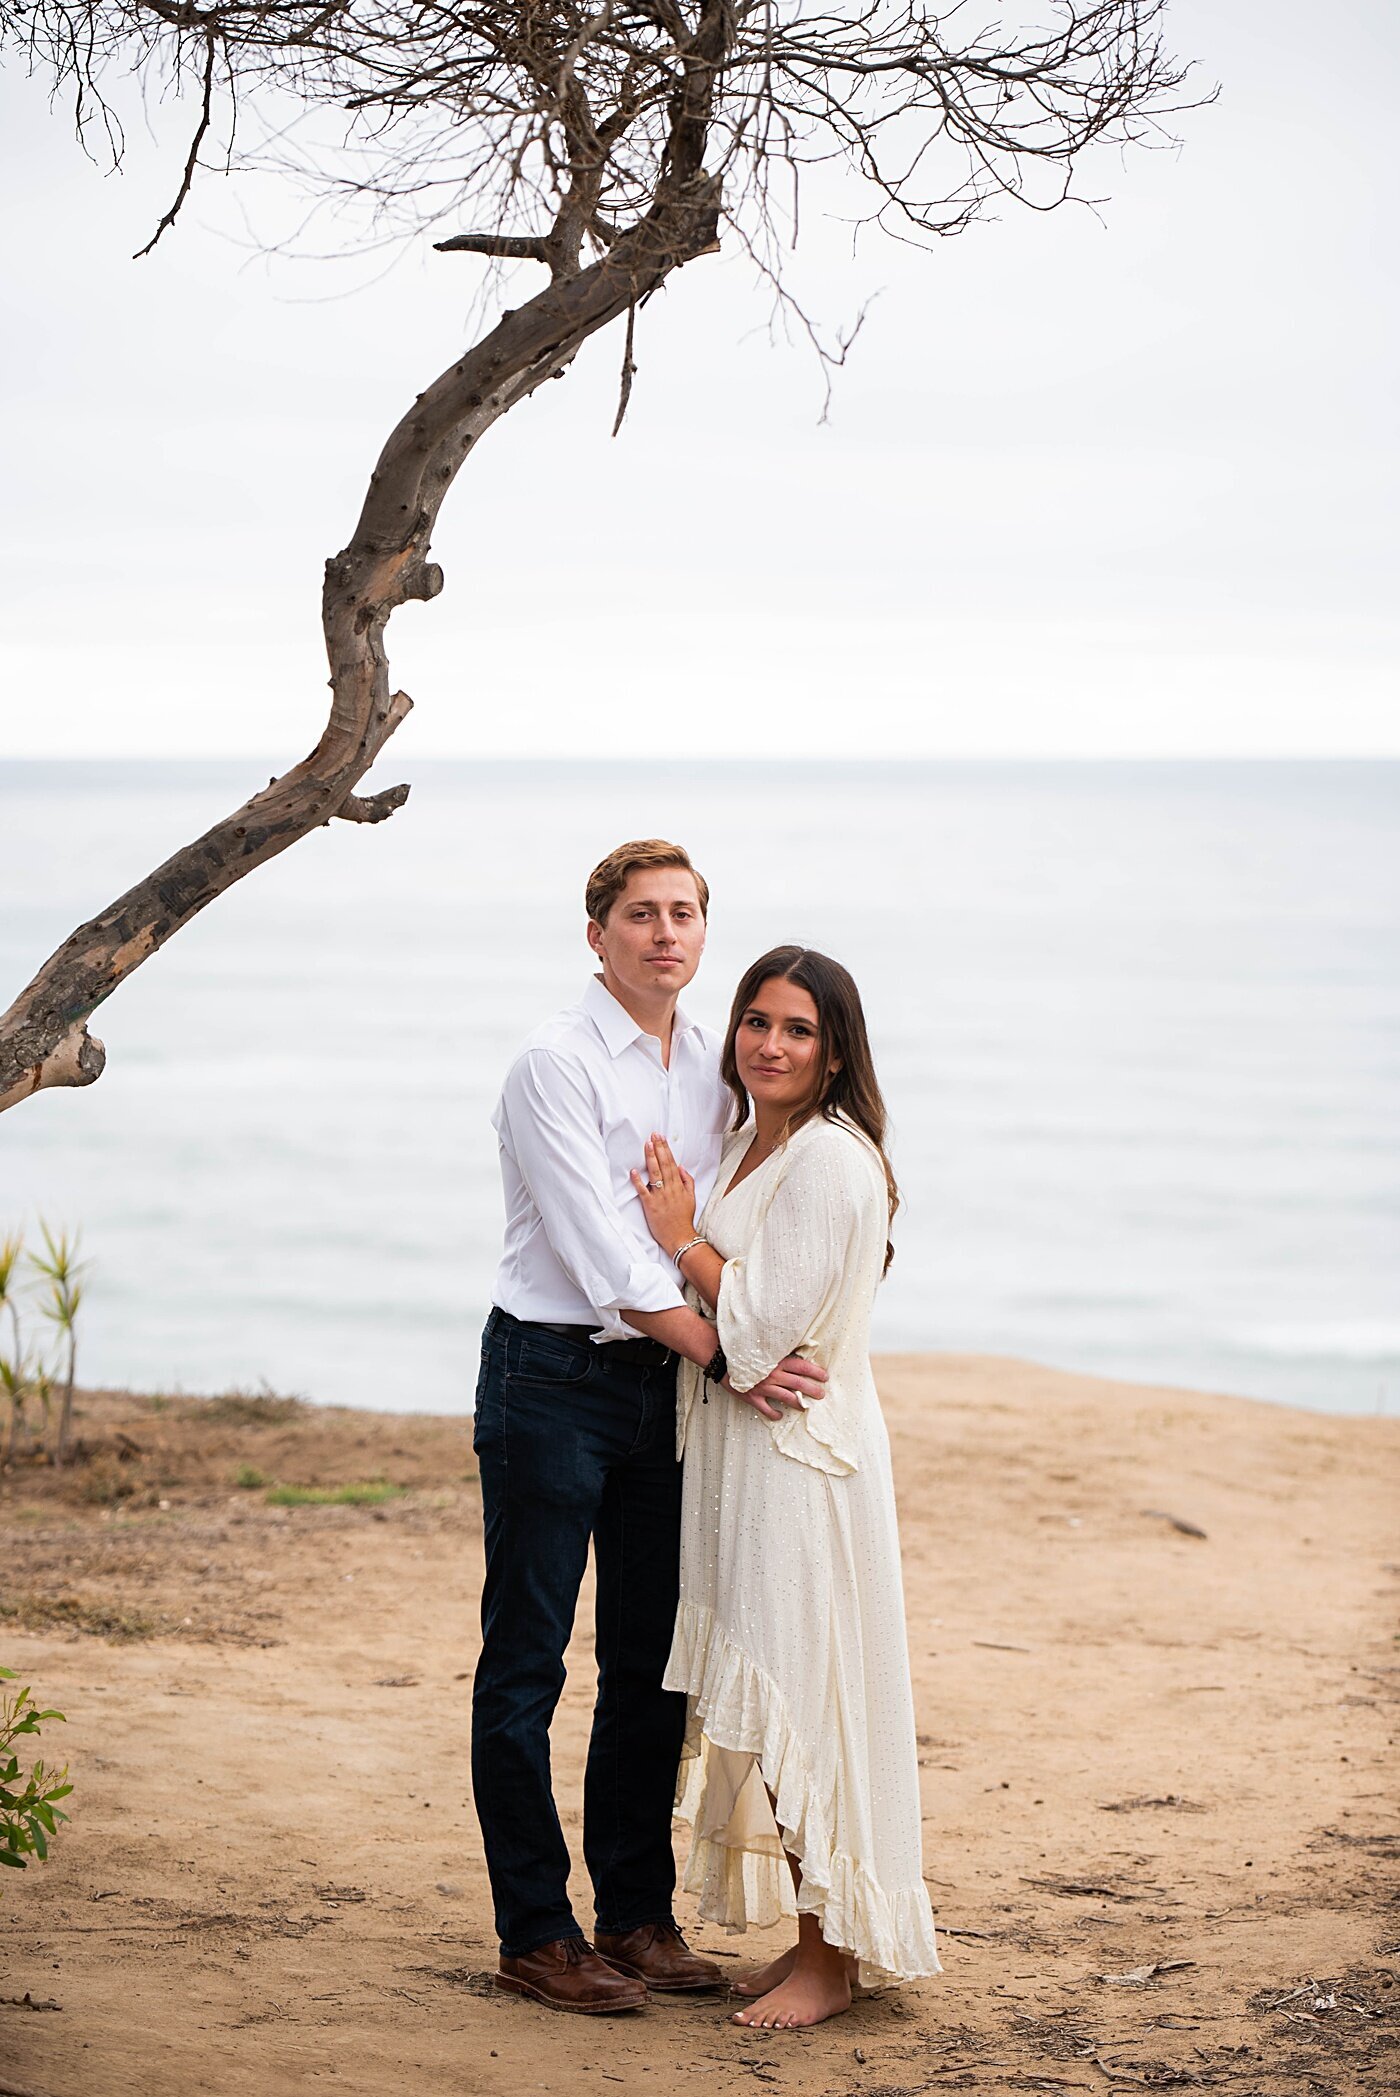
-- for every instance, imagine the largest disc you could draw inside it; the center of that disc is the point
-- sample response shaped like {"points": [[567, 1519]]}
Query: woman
{"points": [[790, 1638]]}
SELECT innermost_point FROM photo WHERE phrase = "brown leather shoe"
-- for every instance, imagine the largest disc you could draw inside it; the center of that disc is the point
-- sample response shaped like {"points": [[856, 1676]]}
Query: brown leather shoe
{"points": [[566, 1975], [659, 1955]]}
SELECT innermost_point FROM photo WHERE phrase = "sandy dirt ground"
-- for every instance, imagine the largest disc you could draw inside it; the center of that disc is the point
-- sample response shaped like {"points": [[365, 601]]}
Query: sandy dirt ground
{"points": [[1160, 1827]]}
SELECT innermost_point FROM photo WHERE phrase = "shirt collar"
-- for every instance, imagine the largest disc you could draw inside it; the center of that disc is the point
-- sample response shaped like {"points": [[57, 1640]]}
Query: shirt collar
{"points": [[616, 1025]]}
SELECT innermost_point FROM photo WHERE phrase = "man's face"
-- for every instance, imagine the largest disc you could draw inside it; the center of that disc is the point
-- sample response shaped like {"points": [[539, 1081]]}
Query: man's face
{"points": [[655, 933]]}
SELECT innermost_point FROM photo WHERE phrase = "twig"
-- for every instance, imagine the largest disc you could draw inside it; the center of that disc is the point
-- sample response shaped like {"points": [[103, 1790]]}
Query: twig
{"points": [[1139, 1976], [505, 247], [1134, 1805], [1078, 1887], [1184, 1528], [629, 370], [200, 130]]}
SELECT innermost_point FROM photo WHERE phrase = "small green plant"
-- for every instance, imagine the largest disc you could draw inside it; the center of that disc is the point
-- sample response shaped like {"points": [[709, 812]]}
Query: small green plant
{"points": [[249, 1477], [11, 1248], [26, 1379], [29, 1811], [17, 1382], [59, 1305], [16, 1371], [370, 1493]]}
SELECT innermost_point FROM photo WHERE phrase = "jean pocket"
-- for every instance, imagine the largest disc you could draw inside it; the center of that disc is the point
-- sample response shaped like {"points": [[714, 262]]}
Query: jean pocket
{"points": [[488, 1413], [549, 1358]]}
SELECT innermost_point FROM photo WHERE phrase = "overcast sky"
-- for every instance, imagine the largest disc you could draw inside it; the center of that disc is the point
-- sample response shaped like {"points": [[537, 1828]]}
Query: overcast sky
{"points": [[1089, 487]]}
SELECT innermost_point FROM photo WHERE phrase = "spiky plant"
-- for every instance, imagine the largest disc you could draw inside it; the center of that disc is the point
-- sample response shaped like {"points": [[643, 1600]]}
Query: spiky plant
{"points": [[61, 1269], [15, 1382], [11, 1252], [41, 1387]]}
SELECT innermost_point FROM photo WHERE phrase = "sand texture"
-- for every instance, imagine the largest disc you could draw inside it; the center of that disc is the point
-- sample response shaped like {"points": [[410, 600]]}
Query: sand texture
{"points": [[1160, 1829]]}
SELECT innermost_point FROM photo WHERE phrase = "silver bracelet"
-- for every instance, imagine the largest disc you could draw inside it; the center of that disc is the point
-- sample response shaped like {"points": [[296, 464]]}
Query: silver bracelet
{"points": [[677, 1257]]}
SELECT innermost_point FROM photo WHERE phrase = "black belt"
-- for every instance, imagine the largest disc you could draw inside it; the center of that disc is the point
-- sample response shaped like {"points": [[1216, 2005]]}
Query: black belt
{"points": [[645, 1353]]}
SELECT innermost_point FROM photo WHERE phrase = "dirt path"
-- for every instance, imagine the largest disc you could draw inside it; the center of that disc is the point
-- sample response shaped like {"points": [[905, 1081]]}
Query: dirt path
{"points": [[1141, 1748]]}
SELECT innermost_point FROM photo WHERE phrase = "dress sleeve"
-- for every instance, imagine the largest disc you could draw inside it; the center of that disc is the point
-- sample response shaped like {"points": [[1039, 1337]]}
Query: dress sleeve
{"points": [[774, 1292], [775, 1299], [550, 1120]]}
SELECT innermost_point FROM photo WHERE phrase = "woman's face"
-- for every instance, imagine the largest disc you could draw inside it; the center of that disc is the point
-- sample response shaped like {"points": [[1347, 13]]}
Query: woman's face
{"points": [[777, 1047]]}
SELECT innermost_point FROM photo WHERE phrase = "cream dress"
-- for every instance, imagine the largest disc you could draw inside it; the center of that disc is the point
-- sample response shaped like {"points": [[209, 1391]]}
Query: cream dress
{"points": [[789, 1639]]}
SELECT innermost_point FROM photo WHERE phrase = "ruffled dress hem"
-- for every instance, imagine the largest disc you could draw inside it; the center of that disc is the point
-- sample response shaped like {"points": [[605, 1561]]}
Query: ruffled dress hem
{"points": [[733, 1705]]}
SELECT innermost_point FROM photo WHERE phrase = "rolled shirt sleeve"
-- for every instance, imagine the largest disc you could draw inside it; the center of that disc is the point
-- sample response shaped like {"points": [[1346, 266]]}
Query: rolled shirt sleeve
{"points": [[549, 1117]]}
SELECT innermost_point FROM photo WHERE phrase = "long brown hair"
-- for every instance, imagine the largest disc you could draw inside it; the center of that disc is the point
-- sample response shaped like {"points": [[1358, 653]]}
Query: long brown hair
{"points": [[852, 1092]]}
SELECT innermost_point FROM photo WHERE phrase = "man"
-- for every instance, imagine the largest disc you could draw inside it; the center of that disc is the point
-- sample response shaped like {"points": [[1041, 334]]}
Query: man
{"points": [[575, 1436]]}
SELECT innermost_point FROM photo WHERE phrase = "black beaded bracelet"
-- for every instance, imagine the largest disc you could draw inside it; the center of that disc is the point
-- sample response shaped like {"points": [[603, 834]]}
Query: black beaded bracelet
{"points": [[715, 1371]]}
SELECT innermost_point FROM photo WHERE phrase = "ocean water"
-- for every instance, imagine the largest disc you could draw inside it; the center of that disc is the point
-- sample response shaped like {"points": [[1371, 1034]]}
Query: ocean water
{"points": [[1137, 1025]]}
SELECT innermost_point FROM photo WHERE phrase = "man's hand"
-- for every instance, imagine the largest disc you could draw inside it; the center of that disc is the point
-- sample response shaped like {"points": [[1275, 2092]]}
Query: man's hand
{"points": [[790, 1383]]}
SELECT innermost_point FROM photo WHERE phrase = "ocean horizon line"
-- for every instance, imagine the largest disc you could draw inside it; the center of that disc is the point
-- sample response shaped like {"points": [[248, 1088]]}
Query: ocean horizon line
{"points": [[844, 764]]}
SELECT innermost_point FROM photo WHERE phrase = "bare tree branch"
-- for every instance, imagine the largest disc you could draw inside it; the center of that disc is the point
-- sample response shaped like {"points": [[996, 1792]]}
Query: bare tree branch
{"points": [[201, 132], [372, 808], [629, 370], [506, 247], [76, 1058]]}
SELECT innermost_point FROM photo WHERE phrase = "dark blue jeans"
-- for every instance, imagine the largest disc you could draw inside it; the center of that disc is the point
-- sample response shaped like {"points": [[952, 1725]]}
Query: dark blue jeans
{"points": [[575, 1441]]}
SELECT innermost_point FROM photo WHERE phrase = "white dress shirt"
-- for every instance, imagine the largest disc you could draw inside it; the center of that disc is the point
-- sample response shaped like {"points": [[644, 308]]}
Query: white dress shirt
{"points": [[575, 1112]]}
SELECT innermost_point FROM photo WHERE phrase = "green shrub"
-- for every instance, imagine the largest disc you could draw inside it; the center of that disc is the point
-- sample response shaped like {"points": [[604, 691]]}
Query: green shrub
{"points": [[29, 1811], [372, 1493], [249, 1477]]}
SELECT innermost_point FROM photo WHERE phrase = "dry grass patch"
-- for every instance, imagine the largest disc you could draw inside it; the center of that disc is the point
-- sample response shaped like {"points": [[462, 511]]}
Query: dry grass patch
{"points": [[39, 1612]]}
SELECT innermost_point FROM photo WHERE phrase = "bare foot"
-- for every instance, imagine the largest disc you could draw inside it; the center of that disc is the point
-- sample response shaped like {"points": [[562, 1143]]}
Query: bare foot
{"points": [[810, 1994], [768, 1976]]}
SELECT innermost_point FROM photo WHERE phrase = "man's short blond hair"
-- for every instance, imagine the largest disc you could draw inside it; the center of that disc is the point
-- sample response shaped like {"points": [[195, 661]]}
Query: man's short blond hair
{"points": [[611, 875]]}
